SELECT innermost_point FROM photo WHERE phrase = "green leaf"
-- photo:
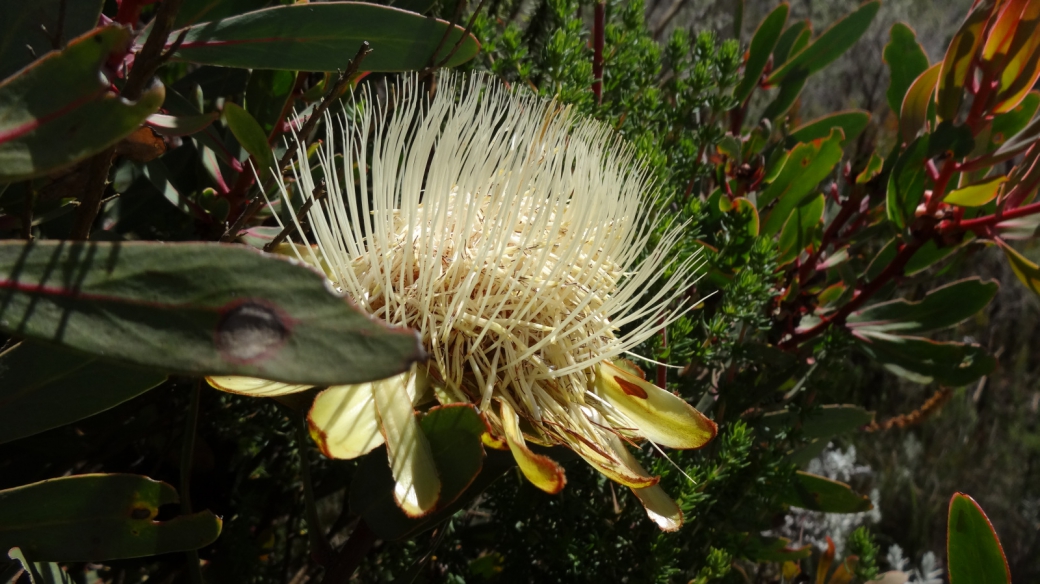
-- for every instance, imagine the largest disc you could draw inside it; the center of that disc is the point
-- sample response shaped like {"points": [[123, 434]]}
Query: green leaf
{"points": [[1010, 124], [790, 89], [98, 517], [40, 572], [180, 125], [825, 422], [959, 57], [930, 254], [60, 111], [196, 11], [798, 233], [923, 360], [950, 140], [830, 45], [454, 435], [972, 547], [1026, 271], [975, 195], [913, 113], [251, 136], [26, 28], [795, 37], [873, 168], [941, 308], [818, 493], [851, 122], [906, 183], [196, 308], [419, 6], [807, 165], [1015, 145], [43, 387], [266, 95], [762, 44], [906, 61], [773, 549], [325, 37]]}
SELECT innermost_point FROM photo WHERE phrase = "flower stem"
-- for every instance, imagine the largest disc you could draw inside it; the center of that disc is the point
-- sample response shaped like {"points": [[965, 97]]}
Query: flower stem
{"points": [[321, 550]]}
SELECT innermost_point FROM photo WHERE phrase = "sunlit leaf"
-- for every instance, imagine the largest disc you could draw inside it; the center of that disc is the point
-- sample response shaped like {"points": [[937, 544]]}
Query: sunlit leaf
{"points": [[197, 308], [807, 165], [251, 136], [180, 125], [98, 517], [60, 110], [762, 44], [913, 114], [959, 57], [975, 195], [325, 37]]}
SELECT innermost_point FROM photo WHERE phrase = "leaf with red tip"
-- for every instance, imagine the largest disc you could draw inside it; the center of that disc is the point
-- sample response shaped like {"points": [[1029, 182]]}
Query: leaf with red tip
{"points": [[972, 547]]}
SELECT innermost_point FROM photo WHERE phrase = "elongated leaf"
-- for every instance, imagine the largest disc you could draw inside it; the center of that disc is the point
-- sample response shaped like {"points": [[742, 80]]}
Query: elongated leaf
{"points": [[762, 44], [822, 494], [914, 112], [923, 360], [851, 122], [957, 63], [831, 44], [1015, 145], [975, 195], [60, 111], [39, 572], [195, 11], [791, 41], [807, 165], [98, 517], [972, 546], [25, 27], [1026, 271], [44, 387], [941, 308], [798, 232], [906, 183], [454, 433], [1011, 123], [1020, 68], [180, 125], [267, 94], [790, 89], [251, 136], [906, 61], [196, 308], [324, 37], [827, 422], [930, 254]]}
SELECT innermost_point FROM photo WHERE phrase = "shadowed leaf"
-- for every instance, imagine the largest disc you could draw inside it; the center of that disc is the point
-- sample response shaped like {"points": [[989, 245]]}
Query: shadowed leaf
{"points": [[972, 546]]}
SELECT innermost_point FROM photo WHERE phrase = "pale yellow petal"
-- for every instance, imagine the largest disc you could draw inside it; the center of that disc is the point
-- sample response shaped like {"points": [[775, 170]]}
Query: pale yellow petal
{"points": [[658, 415], [344, 422], [608, 457], [542, 471], [661, 508], [253, 386], [411, 462]]}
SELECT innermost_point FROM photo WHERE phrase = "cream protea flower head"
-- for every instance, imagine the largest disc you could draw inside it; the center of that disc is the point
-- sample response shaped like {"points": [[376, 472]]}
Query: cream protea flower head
{"points": [[509, 233]]}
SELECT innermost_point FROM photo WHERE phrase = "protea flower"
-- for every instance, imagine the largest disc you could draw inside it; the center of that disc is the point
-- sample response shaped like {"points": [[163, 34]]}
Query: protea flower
{"points": [[511, 234]]}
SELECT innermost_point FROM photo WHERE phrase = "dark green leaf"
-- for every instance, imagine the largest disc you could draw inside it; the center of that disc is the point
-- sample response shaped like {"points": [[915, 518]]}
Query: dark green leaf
{"points": [[948, 138], [418, 6], [906, 183], [830, 45], [799, 231], [196, 11], [762, 44], [1015, 145], [197, 308], [796, 36], [266, 96], [818, 493], [98, 517], [774, 549], [790, 89], [251, 136], [325, 37], [31, 28], [45, 387], [972, 546], [906, 61], [60, 111], [1010, 124], [929, 254], [943, 307], [454, 435], [923, 360], [807, 165], [851, 122], [826, 422]]}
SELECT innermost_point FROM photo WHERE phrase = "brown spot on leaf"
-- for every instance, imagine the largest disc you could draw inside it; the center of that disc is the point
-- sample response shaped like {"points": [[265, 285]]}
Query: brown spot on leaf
{"points": [[630, 388]]}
